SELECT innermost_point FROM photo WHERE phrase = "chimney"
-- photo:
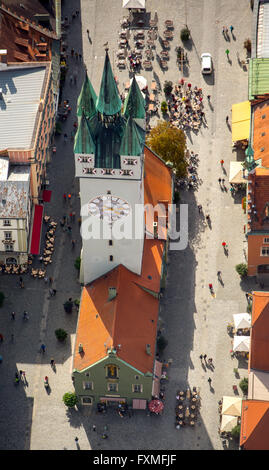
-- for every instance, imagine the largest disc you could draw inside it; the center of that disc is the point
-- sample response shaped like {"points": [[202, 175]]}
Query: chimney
{"points": [[112, 293], [148, 351], [3, 58]]}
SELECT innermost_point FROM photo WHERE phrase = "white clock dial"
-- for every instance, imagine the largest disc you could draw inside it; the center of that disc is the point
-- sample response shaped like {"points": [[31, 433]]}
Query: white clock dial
{"points": [[109, 208]]}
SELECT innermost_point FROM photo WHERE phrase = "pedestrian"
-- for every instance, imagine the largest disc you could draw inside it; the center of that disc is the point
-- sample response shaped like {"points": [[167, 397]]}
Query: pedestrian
{"points": [[73, 15], [51, 292], [46, 279], [64, 197], [54, 291], [52, 363], [207, 217], [231, 29], [224, 244], [219, 180], [223, 181], [25, 315], [43, 348], [72, 52], [80, 57], [210, 286], [205, 356], [13, 315], [76, 55], [93, 427], [209, 381], [50, 280], [75, 76], [223, 30], [40, 259], [73, 216], [12, 338], [22, 373], [77, 12], [17, 378], [227, 119], [73, 243], [75, 125], [199, 208], [1, 338], [69, 228], [64, 218], [65, 138], [69, 198], [222, 162], [201, 356], [210, 361], [71, 79], [88, 32], [208, 97], [76, 439], [104, 436], [219, 274], [227, 52]]}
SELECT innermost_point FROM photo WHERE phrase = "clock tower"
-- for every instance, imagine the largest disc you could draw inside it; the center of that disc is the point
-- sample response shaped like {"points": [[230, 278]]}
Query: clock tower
{"points": [[109, 160]]}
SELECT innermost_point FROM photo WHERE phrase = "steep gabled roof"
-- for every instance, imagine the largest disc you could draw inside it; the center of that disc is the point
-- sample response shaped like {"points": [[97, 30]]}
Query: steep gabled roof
{"points": [[87, 99], [109, 102], [255, 425], [83, 139], [134, 105]]}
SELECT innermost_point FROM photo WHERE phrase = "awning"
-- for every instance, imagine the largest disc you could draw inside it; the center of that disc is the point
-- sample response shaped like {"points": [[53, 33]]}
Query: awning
{"points": [[156, 380], [228, 423], [231, 406], [242, 320], [118, 399], [134, 4], [36, 229], [241, 343], [139, 404], [240, 121], [46, 195], [236, 173]]}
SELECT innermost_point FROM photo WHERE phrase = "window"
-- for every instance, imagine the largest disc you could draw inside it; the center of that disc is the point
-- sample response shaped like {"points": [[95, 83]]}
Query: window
{"points": [[111, 242], [111, 258], [137, 388], [112, 371], [108, 191], [265, 251], [88, 385], [266, 240], [9, 248], [8, 235], [112, 387], [86, 400], [7, 222]]}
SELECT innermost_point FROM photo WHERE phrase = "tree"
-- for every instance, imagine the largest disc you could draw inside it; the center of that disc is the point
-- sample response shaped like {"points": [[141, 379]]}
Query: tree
{"points": [[164, 107], [70, 399], [170, 144], [242, 269], [244, 385], [235, 432], [168, 87], [60, 334]]}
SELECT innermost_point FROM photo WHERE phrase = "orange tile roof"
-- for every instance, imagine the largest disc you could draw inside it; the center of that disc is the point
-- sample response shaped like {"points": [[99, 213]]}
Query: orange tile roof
{"points": [[125, 320], [255, 425], [261, 125], [157, 185], [259, 345], [259, 196]]}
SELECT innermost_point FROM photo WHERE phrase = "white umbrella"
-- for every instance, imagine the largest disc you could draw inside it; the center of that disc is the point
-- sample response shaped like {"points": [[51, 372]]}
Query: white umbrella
{"points": [[228, 423], [141, 81], [133, 3], [242, 320], [231, 406], [241, 343]]}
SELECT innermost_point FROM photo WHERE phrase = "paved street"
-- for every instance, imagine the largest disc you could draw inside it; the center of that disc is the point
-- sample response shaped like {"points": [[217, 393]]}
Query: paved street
{"points": [[194, 321]]}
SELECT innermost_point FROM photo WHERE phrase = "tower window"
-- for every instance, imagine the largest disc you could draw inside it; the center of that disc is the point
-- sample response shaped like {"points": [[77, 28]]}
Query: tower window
{"points": [[108, 191], [111, 258], [110, 242]]}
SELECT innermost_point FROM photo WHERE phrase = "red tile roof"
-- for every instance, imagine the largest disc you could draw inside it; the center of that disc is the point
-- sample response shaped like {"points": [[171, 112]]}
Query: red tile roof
{"points": [[260, 133], [130, 319], [259, 196], [259, 346], [255, 425]]}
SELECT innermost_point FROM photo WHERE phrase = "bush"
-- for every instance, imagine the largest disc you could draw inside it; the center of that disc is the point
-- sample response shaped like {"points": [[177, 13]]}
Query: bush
{"points": [[185, 34], [168, 87], [244, 385], [242, 269], [161, 343], [70, 399], [60, 334], [164, 107], [77, 302], [235, 432], [247, 45], [2, 298], [77, 263]]}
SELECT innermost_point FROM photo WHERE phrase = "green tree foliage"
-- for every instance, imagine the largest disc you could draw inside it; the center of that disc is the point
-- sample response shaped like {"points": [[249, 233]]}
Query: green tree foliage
{"points": [[244, 385], [60, 334], [70, 399], [170, 144], [242, 269]]}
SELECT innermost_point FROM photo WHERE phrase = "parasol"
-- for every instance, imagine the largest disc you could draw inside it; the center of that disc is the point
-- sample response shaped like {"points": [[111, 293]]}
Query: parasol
{"points": [[156, 406]]}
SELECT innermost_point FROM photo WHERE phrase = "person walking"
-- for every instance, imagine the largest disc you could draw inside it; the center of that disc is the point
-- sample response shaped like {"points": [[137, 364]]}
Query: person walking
{"points": [[208, 97], [201, 357], [64, 197], [221, 162], [224, 244], [219, 275], [54, 291], [52, 363], [51, 292], [13, 315], [21, 283], [73, 243], [227, 119], [227, 52], [199, 208], [12, 338], [219, 180], [231, 29], [65, 138], [50, 280], [209, 381], [93, 427], [205, 356], [72, 52], [25, 315], [43, 348]]}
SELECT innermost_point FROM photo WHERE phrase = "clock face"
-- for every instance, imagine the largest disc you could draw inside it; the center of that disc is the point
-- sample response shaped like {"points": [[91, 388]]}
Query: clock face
{"points": [[109, 208]]}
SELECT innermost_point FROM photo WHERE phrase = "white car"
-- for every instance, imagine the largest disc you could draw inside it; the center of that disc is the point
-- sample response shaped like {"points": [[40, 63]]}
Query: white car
{"points": [[206, 63]]}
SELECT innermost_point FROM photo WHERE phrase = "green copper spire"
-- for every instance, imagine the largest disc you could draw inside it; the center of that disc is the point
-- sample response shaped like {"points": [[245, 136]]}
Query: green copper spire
{"points": [[250, 163], [134, 105], [87, 99], [109, 102], [83, 140], [132, 142]]}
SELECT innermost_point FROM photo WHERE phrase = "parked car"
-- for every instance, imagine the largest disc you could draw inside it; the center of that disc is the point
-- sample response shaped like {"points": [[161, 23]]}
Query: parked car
{"points": [[206, 63]]}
